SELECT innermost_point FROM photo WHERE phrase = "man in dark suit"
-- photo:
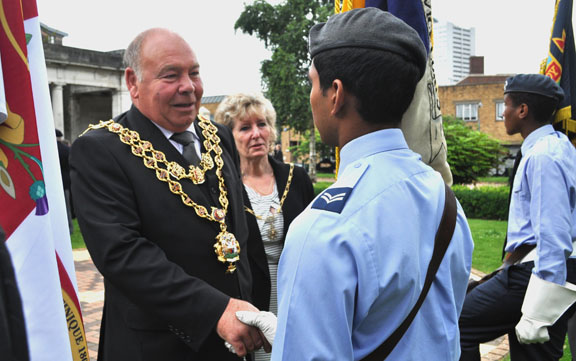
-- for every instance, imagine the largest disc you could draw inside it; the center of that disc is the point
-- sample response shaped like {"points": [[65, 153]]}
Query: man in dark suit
{"points": [[153, 212]]}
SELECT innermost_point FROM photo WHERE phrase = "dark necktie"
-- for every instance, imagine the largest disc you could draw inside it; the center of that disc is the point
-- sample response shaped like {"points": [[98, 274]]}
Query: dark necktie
{"points": [[188, 150], [511, 183]]}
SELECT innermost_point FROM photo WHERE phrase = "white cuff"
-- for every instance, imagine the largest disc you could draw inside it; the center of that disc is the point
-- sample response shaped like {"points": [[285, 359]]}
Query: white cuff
{"points": [[544, 303]]}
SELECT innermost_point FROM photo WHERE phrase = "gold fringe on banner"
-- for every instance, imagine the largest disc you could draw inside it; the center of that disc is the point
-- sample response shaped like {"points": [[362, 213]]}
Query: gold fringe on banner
{"points": [[337, 6], [341, 6], [347, 5]]}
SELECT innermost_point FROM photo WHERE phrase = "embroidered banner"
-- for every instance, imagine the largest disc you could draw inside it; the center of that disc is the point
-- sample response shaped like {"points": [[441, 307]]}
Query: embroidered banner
{"points": [[33, 211], [561, 62]]}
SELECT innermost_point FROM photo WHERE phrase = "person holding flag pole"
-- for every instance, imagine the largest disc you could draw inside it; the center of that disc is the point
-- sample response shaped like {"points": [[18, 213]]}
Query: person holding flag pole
{"points": [[422, 121], [357, 280], [530, 296], [560, 65]]}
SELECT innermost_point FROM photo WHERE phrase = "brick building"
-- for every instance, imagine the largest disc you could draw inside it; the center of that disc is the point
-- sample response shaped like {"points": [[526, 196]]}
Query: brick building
{"points": [[479, 101]]}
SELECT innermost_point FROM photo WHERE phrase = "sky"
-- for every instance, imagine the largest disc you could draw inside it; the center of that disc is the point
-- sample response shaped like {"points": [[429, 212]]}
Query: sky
{"points": [[512, 35]]}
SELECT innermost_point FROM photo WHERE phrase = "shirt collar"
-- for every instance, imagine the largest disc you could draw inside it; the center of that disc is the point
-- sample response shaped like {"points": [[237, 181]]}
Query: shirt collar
{"points": [[533, 137], [168, 133], [379, 141]]}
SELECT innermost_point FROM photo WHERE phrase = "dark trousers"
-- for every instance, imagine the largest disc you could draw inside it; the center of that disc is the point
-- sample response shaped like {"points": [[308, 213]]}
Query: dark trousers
{"points": [[493, 309], [572, 336]]}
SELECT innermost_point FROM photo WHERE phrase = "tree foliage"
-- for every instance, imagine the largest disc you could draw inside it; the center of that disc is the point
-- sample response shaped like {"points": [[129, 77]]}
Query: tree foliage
{"points": [[323, 150], [284, 30], [471, 154]]}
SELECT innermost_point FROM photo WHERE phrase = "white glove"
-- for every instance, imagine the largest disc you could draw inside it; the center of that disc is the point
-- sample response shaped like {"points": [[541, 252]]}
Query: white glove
{"points": [[229, 347], [265, 321], [544, 303]]}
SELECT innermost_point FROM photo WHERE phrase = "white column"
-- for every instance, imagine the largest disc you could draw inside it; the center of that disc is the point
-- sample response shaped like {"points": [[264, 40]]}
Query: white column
{"points": [[120, 102], [58, 106]]}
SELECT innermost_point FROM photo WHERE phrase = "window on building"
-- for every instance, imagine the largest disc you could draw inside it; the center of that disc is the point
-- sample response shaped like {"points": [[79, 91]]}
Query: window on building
{"points": [[467, 111], [499, 109]]}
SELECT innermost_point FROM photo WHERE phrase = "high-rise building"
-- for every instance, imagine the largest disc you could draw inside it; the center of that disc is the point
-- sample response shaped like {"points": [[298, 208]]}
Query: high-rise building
{"points": [[453, 47]]}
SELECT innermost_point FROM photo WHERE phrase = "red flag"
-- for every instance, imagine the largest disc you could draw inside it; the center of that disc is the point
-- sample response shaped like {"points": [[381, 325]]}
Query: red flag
{"points": [[33, 211]]}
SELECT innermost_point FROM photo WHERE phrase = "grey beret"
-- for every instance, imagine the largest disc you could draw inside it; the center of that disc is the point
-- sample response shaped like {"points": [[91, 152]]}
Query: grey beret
{"points": [[369, 28], [535, 84]]}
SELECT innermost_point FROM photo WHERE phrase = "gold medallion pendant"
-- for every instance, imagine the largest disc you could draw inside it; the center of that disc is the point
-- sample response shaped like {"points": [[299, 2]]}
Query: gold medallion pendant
{"points": [[227, 247]]}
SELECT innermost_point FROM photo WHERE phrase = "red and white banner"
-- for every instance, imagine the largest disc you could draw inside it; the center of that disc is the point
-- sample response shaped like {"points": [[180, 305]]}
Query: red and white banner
{"points": [[32, 205]]}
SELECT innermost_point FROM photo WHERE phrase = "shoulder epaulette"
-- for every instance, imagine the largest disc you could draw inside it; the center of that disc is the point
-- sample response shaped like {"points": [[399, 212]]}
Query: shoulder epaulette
{"points": [[332, 199]]}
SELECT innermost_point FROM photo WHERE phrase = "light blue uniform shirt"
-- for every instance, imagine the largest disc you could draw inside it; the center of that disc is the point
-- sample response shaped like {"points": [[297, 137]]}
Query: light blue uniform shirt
{"points": [[542, 203], [355, 261]]}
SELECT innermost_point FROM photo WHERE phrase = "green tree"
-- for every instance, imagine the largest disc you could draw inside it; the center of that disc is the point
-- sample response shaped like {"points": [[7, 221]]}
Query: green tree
{"points": [[471, 154], [322, 150], [284, 29]]}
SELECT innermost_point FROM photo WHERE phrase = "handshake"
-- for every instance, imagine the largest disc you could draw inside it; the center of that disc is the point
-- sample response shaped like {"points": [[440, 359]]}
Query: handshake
{"points": [[264, 321]]}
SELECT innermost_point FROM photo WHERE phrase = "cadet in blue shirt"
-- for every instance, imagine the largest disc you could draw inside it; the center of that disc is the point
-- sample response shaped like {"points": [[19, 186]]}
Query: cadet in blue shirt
{"points": [[528, 300], [355, 261]]}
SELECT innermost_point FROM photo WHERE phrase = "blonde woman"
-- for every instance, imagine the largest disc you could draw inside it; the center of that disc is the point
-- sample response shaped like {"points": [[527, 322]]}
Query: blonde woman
{"points": [[274, 192]]}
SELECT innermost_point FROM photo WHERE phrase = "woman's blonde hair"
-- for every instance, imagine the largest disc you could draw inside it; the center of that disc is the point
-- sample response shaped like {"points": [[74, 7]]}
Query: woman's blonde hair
{"points": [[240, 105]]}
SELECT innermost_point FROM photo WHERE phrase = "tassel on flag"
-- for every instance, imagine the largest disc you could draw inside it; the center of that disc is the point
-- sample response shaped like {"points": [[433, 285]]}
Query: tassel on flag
{"points": [[33, 211]]}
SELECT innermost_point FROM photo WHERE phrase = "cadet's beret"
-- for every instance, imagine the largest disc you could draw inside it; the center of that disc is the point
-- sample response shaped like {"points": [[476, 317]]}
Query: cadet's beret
{"points": [[58, 133], [369, 28], [535, 84]]}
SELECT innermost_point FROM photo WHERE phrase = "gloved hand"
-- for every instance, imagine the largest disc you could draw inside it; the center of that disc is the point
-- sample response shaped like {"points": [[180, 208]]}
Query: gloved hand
{"points": [[544, 303], [532, 331], [265, 321]]}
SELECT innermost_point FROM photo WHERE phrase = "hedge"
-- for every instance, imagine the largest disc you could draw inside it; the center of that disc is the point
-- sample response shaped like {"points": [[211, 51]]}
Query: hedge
{"points": [[483, 202]]}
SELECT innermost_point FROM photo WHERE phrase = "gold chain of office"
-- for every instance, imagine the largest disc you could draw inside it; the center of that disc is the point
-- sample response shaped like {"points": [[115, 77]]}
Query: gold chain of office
{"points": [[270, 219], [226, 247]]}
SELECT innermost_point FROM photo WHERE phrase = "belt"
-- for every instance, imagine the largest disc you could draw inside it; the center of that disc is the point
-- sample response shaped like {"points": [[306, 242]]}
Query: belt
{"points": [[531, 254], [520, 255]]}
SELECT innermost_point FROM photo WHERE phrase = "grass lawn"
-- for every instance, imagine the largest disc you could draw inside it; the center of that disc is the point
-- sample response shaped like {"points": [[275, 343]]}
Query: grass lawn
{"points": [[325, 175], [499, 180], [488, 240], [76, 236]]}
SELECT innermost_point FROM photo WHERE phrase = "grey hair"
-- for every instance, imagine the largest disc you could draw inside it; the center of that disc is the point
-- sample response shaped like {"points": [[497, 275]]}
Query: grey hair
{"points": [[133, 52], [240, 105]]}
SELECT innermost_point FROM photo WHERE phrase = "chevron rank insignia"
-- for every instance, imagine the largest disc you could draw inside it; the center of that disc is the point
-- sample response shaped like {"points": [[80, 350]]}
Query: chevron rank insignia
{"points": [[332, 199]]}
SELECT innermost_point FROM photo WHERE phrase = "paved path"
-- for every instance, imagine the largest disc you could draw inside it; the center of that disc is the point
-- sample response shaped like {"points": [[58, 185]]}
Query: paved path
{"points": [[91, 289], [91, 295]]}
